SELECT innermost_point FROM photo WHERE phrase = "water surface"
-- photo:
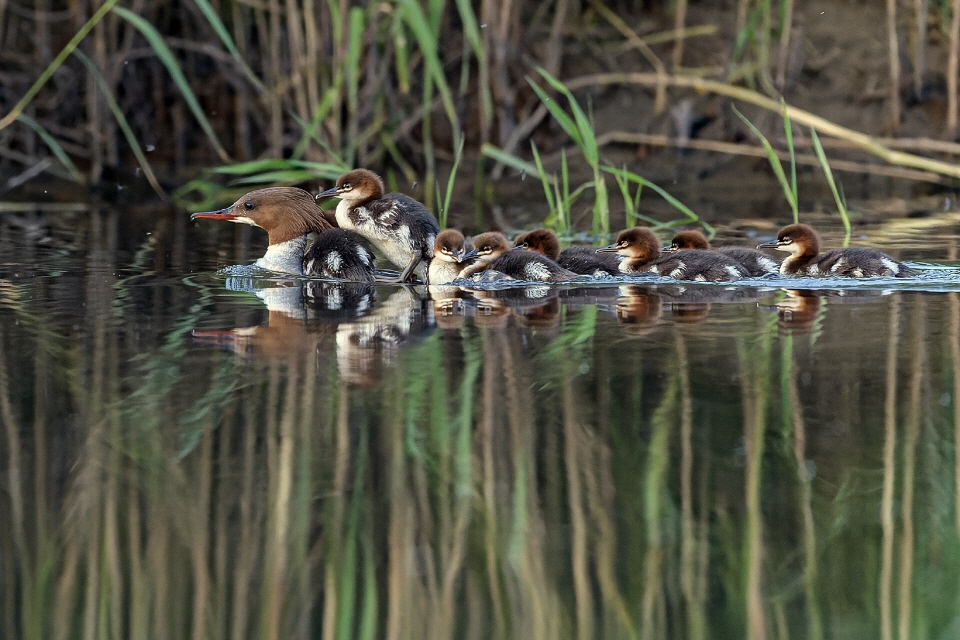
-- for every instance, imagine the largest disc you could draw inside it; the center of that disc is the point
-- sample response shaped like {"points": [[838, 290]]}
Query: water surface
{"points": [[194, 454]]}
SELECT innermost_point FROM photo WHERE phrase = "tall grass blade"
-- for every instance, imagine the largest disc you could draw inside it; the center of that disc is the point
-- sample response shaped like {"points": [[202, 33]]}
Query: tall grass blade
{"points": [[586, 139], [56, 64], [788, 132], [417, 23], [122, 122], [788, 192], [501, 156], [672, 201], [828, 173], [357, 21], [53, 145], [566, 122], [451, 180], [542, 174], [170, 62], [221, 30]]}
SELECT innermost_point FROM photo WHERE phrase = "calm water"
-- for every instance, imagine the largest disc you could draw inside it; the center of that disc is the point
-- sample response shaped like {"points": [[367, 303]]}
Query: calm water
{"points": [[193, 454]]}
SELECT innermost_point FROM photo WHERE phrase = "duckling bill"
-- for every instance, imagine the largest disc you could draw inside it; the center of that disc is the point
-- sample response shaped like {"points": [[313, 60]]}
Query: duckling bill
{"points": [[403, 229]]}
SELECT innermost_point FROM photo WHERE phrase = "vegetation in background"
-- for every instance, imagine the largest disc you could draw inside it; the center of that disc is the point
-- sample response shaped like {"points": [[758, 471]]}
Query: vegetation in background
{"points": [[398, 86]]}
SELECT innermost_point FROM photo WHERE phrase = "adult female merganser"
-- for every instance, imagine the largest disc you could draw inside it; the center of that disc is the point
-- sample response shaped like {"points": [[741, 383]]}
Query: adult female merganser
{"points": [[493, 252], [578, 258], [803, 244], [757, 263], [448, 253], [399, 226], [641, 251], [288, 214]]}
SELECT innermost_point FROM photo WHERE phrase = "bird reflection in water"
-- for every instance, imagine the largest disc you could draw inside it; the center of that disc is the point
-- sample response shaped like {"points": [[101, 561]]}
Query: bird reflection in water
{"points": [[798, 310], [367, 344], [802, 310], [321, 317], [638, 309]]}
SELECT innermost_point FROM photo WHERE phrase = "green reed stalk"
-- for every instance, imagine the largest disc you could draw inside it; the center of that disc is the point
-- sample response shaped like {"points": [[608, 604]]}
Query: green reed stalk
{"points": [[443, 204], [57, 62], [580, 130], [122, 123], [789, 188], [52, 144], [837, 195], [170, 62], [631, 204]]}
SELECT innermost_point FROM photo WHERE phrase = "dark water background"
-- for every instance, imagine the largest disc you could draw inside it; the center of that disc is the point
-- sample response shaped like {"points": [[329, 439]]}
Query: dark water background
{"points": [[193, 454]]}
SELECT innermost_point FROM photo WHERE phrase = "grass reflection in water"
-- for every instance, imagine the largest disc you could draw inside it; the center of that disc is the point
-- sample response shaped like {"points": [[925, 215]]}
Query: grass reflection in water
{"points": [[645, 461]]}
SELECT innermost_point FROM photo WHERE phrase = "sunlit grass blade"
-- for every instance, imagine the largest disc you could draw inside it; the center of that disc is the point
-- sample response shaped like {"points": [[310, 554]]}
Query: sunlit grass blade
{"points": [[566, 122], [221, 30], [542, 174], [828, 173], [31, 93], [672, 201], [122, 122], [417, 23], [788, 191], [501, 156], [170, 62], [451, 180], [355, 38], [585, 139], [52, 144], [330, 96], [788, 132]]}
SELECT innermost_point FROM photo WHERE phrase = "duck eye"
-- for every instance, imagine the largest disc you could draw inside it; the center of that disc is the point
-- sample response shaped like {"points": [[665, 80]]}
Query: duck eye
{"points": [[345, 186], [249, 206]]}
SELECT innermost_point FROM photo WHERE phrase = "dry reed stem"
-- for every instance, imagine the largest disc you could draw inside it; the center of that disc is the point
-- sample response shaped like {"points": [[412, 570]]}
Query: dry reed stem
{"points": [[783, 59], [953, 68], [798, 116], [680, 19], [893, 51], [921, 8], [635, 41], [732, 148]]}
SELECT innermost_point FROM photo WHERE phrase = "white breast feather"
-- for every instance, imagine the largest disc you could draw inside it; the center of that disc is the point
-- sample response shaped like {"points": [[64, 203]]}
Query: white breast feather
{"points": [[536, 271], [334, 261], [678, 272], [733, 271], [891, 264]]}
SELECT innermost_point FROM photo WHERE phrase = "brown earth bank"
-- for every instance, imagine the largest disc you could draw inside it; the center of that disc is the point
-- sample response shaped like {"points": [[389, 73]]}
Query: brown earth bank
{"points": [[835, 64]]}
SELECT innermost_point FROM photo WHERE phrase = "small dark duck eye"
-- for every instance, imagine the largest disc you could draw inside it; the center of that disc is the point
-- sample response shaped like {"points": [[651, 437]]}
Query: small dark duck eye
{"points": [[249, 206], [345, 186]]}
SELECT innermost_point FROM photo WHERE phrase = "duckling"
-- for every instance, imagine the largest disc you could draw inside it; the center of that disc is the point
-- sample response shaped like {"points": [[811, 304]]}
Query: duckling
{"points": [[288, 215], [641, 250], [400, 227], [755, 262], [494, 253], [340, 254], [580, 259], [803, 244], [448, 253]]}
